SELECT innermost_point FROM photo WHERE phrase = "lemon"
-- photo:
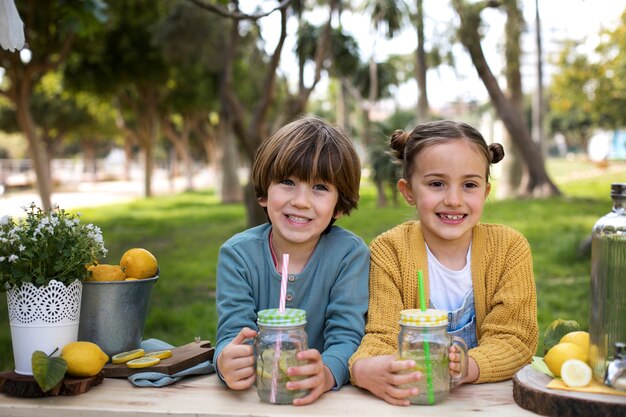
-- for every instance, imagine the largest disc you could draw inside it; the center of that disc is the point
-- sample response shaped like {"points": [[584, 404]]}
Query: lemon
{"points": [[576, 373], [161, 354], [105, 272], [127, 356], [561, 352], [139, 263], [142, 362], [83, 358], [580, 338]]}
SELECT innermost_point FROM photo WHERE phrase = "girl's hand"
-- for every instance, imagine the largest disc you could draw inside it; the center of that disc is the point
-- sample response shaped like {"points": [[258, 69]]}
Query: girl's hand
{"points": [[318, 377], [236, 362], [454, 353], [455, 365], [381, 375]]}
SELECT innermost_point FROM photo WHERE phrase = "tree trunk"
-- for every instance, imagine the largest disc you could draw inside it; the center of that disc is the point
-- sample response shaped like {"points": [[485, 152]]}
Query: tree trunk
{"points": [[208, 138], [342, 105], [89, 159], [128, 157], [513, 169], [537, 183], [381, 197], [231, 191], [420, 67], [37, 150], [180, 140], [147, 134], [538, 105]]}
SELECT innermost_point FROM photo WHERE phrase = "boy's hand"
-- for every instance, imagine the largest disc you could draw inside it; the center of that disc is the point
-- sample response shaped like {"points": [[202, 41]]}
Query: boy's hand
{"points": [[318, 377], [236, 362], [381, 376]]}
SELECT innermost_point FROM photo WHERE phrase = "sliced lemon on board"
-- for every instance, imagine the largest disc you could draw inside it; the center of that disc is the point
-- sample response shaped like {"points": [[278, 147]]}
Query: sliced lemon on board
{"points": [[142, 362], [127, 356], [575, 373], [161, 354]]}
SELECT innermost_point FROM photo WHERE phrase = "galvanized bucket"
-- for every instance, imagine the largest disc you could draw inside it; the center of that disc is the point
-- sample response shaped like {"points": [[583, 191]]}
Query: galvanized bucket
{"points": [[113, 313]]}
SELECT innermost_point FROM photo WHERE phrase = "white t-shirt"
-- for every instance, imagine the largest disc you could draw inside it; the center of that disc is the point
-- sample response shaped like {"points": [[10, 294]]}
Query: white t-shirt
{"points": [[448, 288]]}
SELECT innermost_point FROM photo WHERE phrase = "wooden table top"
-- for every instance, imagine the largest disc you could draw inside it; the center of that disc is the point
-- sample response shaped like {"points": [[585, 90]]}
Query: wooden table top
{"points": [[206, 396]]}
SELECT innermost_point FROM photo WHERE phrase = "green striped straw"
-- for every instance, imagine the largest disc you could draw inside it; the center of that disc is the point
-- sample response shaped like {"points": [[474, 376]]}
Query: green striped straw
{"points": [[429, 366]]}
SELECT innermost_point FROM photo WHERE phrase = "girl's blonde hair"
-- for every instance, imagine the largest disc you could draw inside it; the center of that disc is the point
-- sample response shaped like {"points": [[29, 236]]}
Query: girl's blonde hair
{"points": [[406, 146], [309, 149]]}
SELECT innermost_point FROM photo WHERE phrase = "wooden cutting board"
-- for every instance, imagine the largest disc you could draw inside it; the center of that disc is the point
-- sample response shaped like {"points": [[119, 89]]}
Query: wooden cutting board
{"points": [[182, 357], [26, 386], [530, 392]]}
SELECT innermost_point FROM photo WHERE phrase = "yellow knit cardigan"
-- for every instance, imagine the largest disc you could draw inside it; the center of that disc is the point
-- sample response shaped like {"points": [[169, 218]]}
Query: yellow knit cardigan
{"points": [[505, 298]]}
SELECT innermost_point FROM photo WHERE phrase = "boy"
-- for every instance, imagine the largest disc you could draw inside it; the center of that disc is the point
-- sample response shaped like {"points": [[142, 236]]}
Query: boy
{"points": [[306, 176]]}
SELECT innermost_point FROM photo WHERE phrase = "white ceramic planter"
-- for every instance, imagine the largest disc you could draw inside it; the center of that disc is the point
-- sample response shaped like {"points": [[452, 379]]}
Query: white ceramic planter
{"points": [[42, 318]]}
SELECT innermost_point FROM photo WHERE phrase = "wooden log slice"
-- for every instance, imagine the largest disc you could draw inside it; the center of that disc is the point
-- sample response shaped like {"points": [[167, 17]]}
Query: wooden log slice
{"points": [[25, 386], [530, 392]]}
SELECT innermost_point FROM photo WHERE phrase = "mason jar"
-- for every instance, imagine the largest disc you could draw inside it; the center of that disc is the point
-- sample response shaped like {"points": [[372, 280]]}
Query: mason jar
{"points": [[424, 339], [281, 336]]}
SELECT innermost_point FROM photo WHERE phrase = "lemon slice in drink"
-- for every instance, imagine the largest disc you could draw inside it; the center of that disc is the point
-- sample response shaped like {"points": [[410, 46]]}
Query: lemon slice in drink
{"points": [[142, 362], [575, 373], [160, 354], [127, 356]]}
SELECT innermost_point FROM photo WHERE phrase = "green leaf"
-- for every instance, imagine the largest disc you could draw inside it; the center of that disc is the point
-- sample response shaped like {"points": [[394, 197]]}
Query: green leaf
{"points": [[539, 365], [556, 330], [48, 371]]}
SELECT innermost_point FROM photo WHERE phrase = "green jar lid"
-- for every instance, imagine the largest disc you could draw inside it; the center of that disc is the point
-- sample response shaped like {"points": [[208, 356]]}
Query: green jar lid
{"points": [[290, 317], [426, 318]]}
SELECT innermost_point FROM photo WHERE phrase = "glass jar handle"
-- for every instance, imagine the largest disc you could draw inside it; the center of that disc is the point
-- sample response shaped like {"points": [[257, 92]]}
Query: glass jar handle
{"points": [[456, 380], [252, 341]]}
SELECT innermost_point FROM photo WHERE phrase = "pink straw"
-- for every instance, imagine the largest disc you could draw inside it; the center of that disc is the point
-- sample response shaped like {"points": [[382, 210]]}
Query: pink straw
{"points": [[281, 309], [283, 283]]}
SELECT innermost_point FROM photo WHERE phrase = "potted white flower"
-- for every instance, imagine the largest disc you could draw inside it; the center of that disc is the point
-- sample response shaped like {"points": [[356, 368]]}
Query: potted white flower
{"points": [[43, 260]]}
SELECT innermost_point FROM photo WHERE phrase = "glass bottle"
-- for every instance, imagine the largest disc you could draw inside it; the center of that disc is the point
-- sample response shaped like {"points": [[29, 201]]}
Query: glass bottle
{"points": [[607, 324], [281, 336], [424, 339]]}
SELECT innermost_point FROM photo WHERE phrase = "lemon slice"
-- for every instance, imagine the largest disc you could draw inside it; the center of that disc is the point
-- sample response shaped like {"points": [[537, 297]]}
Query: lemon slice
{"points": [[161, 354], [142, 362], [127, 356], [575, 373]]}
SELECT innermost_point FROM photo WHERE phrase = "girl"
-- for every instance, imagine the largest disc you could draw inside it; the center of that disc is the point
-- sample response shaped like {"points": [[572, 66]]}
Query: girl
{"points": [[481, 274], [305, 176]]}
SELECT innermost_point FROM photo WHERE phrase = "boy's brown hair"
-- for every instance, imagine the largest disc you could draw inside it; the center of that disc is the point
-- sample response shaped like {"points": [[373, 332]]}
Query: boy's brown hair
{"points": [[309, 148]]}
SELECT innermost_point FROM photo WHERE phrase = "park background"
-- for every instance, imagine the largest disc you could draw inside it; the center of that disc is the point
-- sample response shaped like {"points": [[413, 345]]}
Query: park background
{"points": [[144, 116]]}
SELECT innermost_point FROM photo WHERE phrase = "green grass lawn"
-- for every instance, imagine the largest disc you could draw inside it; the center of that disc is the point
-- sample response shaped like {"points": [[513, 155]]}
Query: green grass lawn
{"points": [[185, 232]]}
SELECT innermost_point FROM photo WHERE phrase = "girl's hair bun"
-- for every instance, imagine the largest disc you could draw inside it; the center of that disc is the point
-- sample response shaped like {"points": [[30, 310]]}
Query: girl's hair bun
{"points": [[496, 152], [397, 143]]}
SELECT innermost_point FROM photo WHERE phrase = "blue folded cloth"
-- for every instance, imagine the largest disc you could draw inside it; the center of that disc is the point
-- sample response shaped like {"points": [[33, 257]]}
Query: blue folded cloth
{"points": [[158, 379]]}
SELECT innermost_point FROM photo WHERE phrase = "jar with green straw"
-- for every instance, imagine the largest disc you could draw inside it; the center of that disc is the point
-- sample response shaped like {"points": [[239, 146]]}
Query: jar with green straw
{"points": [[424, 339]]}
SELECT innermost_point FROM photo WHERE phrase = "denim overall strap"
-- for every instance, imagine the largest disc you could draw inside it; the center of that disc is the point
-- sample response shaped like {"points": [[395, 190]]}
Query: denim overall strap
{"points": [[462, 321]]}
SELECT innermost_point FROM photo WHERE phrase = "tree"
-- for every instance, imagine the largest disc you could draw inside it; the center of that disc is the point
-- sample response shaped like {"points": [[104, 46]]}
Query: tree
{"points": [[535, 180], [571, 103], [191, 43], [51, 29], [609, 90], [585, 95], [249, 120]]}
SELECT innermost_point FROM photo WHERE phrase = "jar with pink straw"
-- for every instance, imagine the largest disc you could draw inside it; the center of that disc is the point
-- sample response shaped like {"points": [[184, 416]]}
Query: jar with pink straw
{"points": [[281, 336]]}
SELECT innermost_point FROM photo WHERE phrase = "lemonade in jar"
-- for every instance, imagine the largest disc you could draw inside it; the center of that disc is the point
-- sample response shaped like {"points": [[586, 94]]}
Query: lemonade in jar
{"points": [[281, 336], [424, 339]]}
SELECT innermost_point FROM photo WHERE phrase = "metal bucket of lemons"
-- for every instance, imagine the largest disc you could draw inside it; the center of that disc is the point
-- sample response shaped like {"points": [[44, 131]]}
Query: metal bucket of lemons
{"points": [[116, 300]]}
